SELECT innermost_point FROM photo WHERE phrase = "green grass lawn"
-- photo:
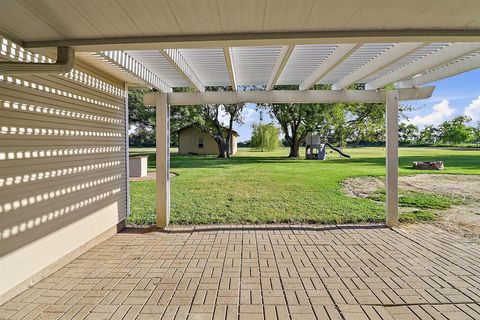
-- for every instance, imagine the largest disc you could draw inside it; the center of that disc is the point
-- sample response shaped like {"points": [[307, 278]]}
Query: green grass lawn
{"points": [[261, 187]]}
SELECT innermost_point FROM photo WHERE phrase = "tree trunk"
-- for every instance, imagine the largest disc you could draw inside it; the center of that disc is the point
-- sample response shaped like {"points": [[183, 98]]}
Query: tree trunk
{"points": [[341, 141], [294, 143], [294, 149], [222, 149], [227, 143], [229, 135]]}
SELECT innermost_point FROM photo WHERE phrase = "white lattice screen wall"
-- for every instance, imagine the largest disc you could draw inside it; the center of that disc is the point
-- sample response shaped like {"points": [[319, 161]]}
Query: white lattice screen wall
{"points": [[62, 164]]}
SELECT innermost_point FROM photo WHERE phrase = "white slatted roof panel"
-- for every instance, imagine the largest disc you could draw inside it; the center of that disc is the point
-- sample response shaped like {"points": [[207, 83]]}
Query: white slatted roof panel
{"points": [[362, 55], [429, 49], [254, 65], [156, 62], [463, 64], [475, 54], [303, 61], [208, 64]]}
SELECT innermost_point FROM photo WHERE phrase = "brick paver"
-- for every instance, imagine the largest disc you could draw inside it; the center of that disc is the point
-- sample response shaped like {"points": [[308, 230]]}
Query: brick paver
{"points": [[264, 272]]}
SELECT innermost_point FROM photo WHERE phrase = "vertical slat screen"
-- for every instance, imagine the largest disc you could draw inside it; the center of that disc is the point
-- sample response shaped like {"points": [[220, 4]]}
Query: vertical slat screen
{"points": [[62, 162]]}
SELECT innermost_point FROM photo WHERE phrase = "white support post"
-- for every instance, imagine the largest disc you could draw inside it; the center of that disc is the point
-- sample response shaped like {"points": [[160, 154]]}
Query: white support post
{"points": [[392, 100], [163, 160], [127, 151]]}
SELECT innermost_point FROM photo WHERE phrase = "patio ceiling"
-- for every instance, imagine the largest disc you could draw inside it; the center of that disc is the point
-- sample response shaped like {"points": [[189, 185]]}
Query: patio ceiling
{"points": [[57, 20], [169, 44]]}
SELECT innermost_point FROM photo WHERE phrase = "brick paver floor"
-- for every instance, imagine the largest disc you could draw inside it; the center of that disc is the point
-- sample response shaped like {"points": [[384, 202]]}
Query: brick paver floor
{"points": [[264, 272]]}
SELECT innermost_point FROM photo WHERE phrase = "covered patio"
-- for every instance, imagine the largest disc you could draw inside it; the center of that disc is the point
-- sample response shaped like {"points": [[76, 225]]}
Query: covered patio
{"points": [[65, 71], [264, 272]]}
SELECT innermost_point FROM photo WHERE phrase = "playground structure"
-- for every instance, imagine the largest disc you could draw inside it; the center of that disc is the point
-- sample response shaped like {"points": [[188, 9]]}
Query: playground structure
{"points": [[315, 148]]}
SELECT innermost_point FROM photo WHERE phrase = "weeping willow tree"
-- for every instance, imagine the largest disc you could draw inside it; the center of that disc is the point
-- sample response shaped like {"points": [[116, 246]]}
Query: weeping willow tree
{"points": [[265, 137]]}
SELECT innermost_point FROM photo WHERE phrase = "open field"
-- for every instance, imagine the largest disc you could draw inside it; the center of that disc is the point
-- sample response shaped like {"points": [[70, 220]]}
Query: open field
{"points": [[261, 187]]}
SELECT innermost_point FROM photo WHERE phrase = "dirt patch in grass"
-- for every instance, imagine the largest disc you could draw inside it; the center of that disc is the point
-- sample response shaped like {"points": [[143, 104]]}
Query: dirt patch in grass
{"points": [[361, 187], [458, 218], [458, 186]]}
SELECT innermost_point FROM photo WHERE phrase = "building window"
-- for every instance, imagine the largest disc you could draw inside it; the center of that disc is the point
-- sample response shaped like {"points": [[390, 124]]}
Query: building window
{"points": [[200, 143]]}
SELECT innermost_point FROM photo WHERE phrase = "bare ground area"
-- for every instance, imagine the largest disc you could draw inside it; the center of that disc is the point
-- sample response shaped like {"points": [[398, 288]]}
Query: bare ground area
{"points": [[461, 219]]}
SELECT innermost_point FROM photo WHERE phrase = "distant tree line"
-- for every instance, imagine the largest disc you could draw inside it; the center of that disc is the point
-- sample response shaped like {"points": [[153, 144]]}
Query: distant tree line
{"points": [[452, 132]]}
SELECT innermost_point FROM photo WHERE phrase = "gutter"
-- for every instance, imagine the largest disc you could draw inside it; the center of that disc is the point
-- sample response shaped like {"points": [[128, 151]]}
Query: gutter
{"points": [[64, 64]]}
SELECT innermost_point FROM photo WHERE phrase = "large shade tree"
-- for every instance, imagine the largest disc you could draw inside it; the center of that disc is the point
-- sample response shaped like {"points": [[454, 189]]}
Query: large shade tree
{"points": [[296, 120], [335, 122]]}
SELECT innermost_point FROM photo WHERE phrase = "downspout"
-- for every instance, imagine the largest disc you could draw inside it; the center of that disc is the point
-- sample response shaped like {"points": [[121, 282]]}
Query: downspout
{"points": [[64, 63]]}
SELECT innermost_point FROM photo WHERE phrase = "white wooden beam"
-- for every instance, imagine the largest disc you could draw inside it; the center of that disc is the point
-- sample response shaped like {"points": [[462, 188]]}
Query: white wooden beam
{"points": [[342, 52], [443, 72], [391, 205], [230, 68], [260, 39], [390, 56], [163, 159], [181, 65], [439, 57], [286, 96], [279, 65]]}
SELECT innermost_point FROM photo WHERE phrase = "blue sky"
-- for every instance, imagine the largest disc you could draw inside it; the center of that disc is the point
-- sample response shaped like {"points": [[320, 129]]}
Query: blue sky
{"points": [[452, 96]]}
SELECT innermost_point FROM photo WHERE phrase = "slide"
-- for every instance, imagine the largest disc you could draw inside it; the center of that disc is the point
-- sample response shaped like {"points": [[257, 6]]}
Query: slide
{"points": [[338, 150]]}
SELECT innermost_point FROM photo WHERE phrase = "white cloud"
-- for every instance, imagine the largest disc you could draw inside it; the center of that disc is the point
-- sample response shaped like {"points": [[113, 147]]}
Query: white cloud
{"points": [[473, 110], [223, 117], [249, 115], [441, 112]]}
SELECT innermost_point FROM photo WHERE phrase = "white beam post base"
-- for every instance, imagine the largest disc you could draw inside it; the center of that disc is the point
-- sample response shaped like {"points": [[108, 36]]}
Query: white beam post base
{"points": [[392, 158], [163, 160]]}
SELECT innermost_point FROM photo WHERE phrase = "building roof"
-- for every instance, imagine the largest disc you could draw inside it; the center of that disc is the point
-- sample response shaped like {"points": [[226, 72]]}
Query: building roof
{"points": [[235, 133]]}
